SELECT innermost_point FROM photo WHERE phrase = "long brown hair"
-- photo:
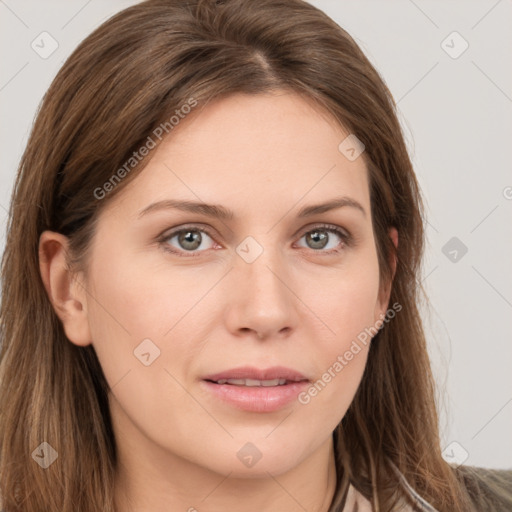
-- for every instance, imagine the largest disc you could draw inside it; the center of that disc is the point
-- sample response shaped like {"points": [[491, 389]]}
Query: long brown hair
{"points": [[123, 82]]}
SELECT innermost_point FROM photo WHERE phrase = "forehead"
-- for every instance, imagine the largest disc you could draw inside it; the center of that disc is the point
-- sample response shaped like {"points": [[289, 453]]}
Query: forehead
{"points": [[245, 151]]}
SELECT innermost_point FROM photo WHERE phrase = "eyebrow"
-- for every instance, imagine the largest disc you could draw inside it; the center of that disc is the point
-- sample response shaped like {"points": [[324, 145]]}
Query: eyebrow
{"points": [[220, 212]]}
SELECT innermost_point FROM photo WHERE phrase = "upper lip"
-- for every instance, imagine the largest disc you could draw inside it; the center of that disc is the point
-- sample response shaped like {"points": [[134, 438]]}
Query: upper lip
{"points": [[249, 372]]}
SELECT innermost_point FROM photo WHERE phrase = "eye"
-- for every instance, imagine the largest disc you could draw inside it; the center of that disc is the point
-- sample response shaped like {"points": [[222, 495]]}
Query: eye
{"points": [[192, 240], [320, 237], [188, 239]]}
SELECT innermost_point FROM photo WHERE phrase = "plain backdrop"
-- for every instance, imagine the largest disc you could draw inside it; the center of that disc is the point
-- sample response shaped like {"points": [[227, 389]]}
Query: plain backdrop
{"points": [[448, 66]]}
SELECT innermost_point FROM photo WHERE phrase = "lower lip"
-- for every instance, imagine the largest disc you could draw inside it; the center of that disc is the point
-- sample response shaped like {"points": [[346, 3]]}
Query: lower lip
{"points": [[257, 398]]}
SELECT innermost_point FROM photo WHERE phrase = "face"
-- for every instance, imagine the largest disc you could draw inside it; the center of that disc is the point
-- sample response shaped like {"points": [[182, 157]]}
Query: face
{"points": [[179, 299]]}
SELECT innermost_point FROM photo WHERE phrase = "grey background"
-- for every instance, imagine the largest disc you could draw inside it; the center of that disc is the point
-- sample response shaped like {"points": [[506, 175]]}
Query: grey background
{"points": [[456, 114]]}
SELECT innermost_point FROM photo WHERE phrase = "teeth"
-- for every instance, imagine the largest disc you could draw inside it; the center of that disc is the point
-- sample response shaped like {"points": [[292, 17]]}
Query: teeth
{"points": [[253, 382]]}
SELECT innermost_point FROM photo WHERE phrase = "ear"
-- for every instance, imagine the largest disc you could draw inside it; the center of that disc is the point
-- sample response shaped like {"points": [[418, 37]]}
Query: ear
{"points": [[384, 294], [393, 234], [67, 295]]}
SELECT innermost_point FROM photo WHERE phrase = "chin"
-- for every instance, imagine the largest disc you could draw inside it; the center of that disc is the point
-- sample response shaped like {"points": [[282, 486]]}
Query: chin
{"points": [[259, 458]]}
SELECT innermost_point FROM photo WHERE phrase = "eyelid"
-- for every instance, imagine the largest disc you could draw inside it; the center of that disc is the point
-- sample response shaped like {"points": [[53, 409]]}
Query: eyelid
{"points": [[171, 232], [322, 225]]}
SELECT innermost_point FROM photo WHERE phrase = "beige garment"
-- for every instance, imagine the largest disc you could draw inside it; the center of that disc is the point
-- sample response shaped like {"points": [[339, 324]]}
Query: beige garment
{"points": [[356, 502]]}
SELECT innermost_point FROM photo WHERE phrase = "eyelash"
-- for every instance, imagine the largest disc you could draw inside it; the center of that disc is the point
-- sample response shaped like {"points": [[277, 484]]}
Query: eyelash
{"points": [[345, 237]]}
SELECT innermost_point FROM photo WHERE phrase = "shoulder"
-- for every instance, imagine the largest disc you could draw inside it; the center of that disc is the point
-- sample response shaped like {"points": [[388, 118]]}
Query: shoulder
{"points": [[488, 489]]}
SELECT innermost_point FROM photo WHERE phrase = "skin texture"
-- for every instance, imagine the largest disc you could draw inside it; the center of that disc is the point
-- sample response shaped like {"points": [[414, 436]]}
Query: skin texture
{"points": [[264, 157]]}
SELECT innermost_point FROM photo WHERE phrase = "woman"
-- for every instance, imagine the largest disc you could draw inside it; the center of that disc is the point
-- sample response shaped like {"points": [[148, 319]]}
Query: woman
{"points": [[210, 279]]}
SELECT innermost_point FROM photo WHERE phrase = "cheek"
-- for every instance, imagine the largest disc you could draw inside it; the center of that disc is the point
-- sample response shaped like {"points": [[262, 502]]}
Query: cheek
{"points": [[144, 341], [141, 296], [146, 323], [135, 309], [347, 311], [349, 299]]}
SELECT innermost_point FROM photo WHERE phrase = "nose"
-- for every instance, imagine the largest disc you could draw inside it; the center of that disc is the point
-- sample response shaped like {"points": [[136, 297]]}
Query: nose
{"points": [[260, 300]]}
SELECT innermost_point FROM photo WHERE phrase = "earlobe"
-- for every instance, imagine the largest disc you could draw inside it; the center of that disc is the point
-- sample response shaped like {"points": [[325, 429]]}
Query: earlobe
{"points": [[66, 294]]}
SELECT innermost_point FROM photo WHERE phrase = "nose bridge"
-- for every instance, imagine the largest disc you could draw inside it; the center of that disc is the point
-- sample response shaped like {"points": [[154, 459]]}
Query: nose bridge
{"points": [[263, 302], [260, 265]]}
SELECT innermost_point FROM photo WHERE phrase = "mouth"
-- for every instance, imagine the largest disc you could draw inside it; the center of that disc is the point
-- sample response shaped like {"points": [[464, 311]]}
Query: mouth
{"points": [[252, 382], [254, 390], [251, 376]]}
